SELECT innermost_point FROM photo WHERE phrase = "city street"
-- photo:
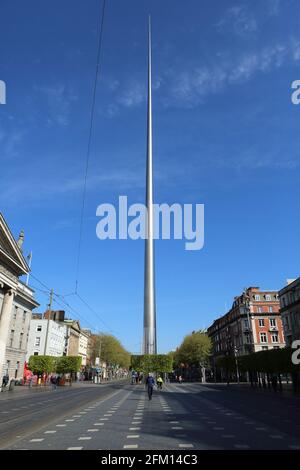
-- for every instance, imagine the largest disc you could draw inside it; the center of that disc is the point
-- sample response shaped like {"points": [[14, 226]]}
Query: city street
{"points": [[120, 416]]}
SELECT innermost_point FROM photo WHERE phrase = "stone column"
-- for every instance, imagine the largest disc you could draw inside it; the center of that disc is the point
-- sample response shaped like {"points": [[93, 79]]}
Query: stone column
{"points": [[4, 326]]}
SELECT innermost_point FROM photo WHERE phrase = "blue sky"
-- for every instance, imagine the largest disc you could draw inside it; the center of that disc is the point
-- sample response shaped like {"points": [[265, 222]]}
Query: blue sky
{"points": [[225, 134]]}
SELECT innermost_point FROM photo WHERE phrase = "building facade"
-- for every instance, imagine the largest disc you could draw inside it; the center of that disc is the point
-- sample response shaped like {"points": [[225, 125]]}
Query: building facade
{"points": [[16, 304], [252, 324], [289, 298], [46, 337]]}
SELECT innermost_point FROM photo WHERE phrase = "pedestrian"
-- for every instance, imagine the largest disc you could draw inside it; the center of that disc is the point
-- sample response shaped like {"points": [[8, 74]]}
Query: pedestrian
{"points": [[150, 382], [53, 382], [5, 380], [180, 379], [274, 382]]}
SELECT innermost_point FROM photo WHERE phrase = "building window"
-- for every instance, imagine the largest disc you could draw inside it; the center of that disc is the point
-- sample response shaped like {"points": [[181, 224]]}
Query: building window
{"points": [[21, 341], [39, 328], [261, 322], [259, 309], [246, 323], [11, 338], [257, 297], [15, 313], [272, 321], [17, 369], [35, 353], [268, 297], [24, 315], [264, 348], [271, 309], [274, 338], [263, 337], [37, 341]]}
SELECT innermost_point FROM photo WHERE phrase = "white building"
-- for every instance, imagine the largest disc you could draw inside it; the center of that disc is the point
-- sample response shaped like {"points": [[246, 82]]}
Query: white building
{"points": [[46, 337], [83, 347]]}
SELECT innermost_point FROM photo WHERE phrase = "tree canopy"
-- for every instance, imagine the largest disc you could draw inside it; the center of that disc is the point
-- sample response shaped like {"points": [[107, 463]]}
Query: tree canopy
{"points": [[151, 363], [195, 349], [110, 350]]}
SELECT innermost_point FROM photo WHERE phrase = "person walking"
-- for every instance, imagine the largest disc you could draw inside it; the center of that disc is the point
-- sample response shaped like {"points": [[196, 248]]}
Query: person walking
{"points": [[5, 381], [150, 382]]}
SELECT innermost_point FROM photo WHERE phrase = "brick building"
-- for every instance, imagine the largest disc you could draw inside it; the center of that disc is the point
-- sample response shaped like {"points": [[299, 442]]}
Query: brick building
{"points": [[252, 324]]}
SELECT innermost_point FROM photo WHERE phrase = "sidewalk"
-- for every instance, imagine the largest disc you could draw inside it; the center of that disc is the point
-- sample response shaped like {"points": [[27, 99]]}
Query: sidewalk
{"points": [[287, 390], [26, 390]]}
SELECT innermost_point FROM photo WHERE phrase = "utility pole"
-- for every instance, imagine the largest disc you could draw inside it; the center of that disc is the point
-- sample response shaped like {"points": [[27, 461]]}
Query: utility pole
{"points": [[48, 320], [29, 257]]}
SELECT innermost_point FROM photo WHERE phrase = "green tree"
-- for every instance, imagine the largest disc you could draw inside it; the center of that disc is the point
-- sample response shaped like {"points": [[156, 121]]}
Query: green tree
{"points": [[68, 364], [110, 350], [160, 363], [194, 350], [41, 364]]}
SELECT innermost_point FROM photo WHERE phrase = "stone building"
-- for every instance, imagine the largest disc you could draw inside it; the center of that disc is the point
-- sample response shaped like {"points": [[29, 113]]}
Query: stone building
{"points": [[16, 304], [289, 298]]}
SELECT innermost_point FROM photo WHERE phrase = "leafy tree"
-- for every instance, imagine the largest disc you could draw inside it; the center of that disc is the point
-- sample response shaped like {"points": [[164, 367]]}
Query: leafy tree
{"points": [[146, 363], [41, 364], [110, 350], [68, 364], [194, 350]]}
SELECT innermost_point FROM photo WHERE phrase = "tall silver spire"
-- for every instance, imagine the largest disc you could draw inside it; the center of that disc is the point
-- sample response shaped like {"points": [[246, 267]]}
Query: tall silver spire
{"points": [[149, 342]]}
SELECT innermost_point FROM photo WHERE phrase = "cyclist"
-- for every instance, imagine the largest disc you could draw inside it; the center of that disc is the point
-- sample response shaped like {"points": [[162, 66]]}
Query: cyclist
{"points": [[159, 382]]}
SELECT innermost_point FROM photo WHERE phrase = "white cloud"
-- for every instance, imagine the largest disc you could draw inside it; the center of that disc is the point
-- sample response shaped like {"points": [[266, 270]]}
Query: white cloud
{"points": [[58, 99], [240, 20]]}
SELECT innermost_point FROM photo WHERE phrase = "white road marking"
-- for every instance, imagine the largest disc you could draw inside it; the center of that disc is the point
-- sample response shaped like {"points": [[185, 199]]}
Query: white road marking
{"points": [[84, 438], [103, 419], [133, 436], [176, 427], [69, 420], [36, 440], [174, 422], [130, 446], [134, 429], [50, 432], [74, 448], [189, 446], [92, 430], [61, 425], [261, 429]]}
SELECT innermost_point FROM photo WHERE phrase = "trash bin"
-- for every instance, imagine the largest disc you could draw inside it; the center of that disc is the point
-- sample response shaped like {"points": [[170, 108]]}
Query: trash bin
{"points": [[12, 385]]}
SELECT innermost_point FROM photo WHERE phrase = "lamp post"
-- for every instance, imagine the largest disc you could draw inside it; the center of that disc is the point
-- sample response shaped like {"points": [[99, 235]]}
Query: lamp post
{"points": [[236, 364]]}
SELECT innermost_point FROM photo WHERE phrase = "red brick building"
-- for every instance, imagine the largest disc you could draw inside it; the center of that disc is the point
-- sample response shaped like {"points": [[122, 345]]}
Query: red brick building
{"points": [[252, 324]]}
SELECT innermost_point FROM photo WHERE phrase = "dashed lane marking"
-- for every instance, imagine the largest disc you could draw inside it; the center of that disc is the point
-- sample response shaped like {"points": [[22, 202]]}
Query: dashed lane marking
{"points": [[36, 440], [130, 446], [74, 448], [84, 438]]}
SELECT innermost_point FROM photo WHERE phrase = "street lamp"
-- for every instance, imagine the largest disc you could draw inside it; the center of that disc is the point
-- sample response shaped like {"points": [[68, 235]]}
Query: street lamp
{"points": [[236, 364]]}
